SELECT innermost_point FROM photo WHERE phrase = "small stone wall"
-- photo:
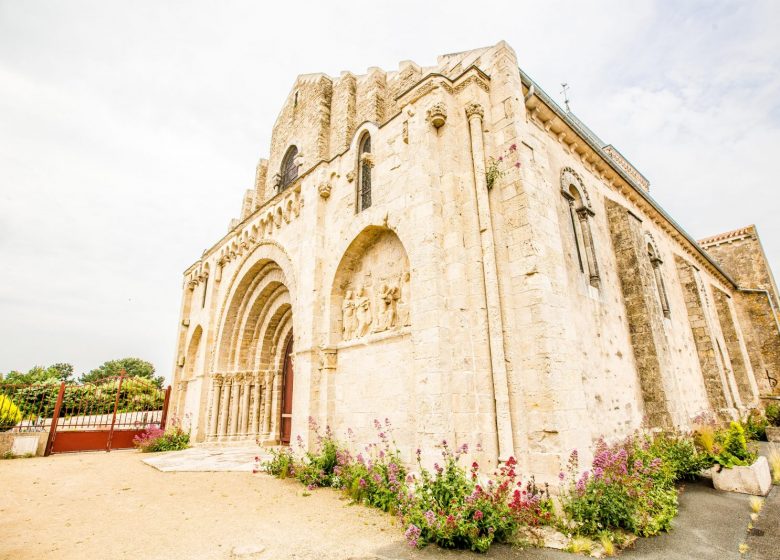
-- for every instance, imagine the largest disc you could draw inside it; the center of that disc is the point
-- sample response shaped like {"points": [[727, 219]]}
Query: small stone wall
{"points": [[7, 442]]}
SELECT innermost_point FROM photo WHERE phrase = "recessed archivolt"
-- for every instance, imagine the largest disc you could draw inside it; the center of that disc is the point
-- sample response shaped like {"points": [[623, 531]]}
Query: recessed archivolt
{"points": [[192, 353], [276, 332], [571, 179], [259, 293]]}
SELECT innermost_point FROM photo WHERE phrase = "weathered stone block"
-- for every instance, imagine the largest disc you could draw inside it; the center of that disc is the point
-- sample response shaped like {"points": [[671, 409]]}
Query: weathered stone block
{"points": [[755, 479], [773, 434], [24, 445]]}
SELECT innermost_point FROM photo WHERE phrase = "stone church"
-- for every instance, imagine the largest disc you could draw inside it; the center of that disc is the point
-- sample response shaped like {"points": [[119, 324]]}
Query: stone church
{"points": [[447, 248]]}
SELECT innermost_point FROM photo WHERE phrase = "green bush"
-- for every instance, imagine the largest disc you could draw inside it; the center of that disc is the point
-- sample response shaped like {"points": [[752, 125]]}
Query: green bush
{"points": [[772, 412], [732, 449], [680, 459], [755, 425]]}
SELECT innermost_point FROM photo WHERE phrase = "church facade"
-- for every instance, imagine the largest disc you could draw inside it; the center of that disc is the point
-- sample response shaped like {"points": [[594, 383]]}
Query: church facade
{"points": [[446, 248]]}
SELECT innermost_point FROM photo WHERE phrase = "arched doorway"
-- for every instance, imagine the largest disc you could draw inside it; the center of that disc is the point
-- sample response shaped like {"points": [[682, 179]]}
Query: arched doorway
{"points": [[253, 350], [287, 394]]}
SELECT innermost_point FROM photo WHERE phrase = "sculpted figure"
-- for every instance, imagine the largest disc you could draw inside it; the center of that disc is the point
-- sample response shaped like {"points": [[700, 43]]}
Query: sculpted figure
{"points": [[403, 300], [363, 313], [388, 315], [348, 316]]}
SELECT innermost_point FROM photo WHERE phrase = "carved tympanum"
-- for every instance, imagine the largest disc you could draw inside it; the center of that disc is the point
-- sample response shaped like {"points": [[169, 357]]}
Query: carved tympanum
{"points": [[373, 287]]}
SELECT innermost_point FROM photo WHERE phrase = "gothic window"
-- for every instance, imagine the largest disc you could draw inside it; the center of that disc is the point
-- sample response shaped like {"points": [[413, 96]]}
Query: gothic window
{"points": [[365, 164], [580, 216], [289, 169], [660, 287]]}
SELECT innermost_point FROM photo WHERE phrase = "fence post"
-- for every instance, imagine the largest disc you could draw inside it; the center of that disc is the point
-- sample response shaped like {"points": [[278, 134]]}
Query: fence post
{"points": [[54, 420], [116, 405], [166, 402]]}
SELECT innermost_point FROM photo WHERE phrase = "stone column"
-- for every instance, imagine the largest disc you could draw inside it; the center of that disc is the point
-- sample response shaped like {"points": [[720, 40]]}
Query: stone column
{"points": [[243, 426], [474, 113], [659, 280], [223, 407], [234, 405], [587, 238], [216, 386], [256, 379], [269, 391]]}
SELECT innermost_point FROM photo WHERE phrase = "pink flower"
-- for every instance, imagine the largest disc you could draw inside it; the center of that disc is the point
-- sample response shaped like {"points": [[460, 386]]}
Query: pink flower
{"points": [[478, 515]]}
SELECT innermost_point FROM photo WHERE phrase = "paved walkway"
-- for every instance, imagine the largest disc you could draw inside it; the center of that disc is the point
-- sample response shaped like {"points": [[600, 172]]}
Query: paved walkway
{"points": [[764, 539], [209, 459]]}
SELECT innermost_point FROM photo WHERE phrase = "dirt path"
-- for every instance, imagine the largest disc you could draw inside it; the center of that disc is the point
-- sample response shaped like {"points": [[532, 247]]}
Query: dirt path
{"points": [[110, 505], [95, 506]]}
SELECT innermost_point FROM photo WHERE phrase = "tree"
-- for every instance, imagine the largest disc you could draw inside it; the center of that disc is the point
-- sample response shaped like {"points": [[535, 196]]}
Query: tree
{"points": [[134, 367], [39, 374]]}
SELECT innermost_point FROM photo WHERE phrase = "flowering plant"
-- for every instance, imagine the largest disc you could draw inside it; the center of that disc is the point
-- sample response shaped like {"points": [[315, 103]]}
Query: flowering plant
{"points": [[376, 478], [494, 168], [626, 488], [154, 439], [454, 509]]}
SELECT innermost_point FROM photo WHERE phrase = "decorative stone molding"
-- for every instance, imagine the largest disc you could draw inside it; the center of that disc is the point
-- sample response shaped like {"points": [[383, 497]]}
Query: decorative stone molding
{"points": [[437, 115], [474, 110], [570, 177], [324, 190], [350, 176], [327, 357]]}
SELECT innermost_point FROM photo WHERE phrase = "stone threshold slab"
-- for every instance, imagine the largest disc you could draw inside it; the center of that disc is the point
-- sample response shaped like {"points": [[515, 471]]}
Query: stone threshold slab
{"points": [[208, 459]]}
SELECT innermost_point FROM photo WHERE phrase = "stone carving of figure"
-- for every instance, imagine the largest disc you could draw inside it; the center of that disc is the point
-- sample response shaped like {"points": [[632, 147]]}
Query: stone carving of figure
{"points": [[403, 300], [388, 313], [348, 316], [363, 313]]}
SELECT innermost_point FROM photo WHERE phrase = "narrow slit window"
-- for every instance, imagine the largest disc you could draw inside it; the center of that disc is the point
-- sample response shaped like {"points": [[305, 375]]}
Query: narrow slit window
{"points": [[289, 170], [365, 164]]}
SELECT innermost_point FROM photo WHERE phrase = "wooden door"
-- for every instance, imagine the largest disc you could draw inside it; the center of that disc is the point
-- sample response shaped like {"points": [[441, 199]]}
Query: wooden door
{"points": [[287, 394]]}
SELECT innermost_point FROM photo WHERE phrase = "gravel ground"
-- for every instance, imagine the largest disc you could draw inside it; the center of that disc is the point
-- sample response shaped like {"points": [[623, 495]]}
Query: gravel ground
{"points": [[111, 505]]}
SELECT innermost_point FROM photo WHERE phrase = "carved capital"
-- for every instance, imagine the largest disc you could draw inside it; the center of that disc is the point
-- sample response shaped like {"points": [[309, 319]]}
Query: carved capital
{"points": [[218, 379], [474, 110], [324, 190], [367, 158], [437, 115]]}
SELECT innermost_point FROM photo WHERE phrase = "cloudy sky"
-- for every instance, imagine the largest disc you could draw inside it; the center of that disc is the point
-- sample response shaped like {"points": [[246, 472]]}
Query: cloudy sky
{"points": [[129, 131]]}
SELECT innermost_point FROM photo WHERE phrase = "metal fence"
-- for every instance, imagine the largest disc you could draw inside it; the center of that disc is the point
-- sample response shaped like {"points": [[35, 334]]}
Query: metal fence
{"points": [[117, 405]]}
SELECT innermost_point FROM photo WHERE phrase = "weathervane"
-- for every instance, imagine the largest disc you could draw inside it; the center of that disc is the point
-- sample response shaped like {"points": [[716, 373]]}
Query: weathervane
{"points": [[564, 91]]}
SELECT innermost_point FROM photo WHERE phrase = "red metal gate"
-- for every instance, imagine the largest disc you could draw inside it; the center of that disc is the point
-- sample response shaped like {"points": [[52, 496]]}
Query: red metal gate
{"points": [[106, 415]]}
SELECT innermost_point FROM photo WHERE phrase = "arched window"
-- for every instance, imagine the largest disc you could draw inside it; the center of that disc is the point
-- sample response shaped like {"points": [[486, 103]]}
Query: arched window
{"points": [[656, 261], [579, 215], [289, 169], [365, 163]]}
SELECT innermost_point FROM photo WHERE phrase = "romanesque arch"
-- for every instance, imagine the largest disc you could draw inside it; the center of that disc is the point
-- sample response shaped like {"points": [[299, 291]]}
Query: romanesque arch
{"points": [[188, 371], [256, 323]]}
